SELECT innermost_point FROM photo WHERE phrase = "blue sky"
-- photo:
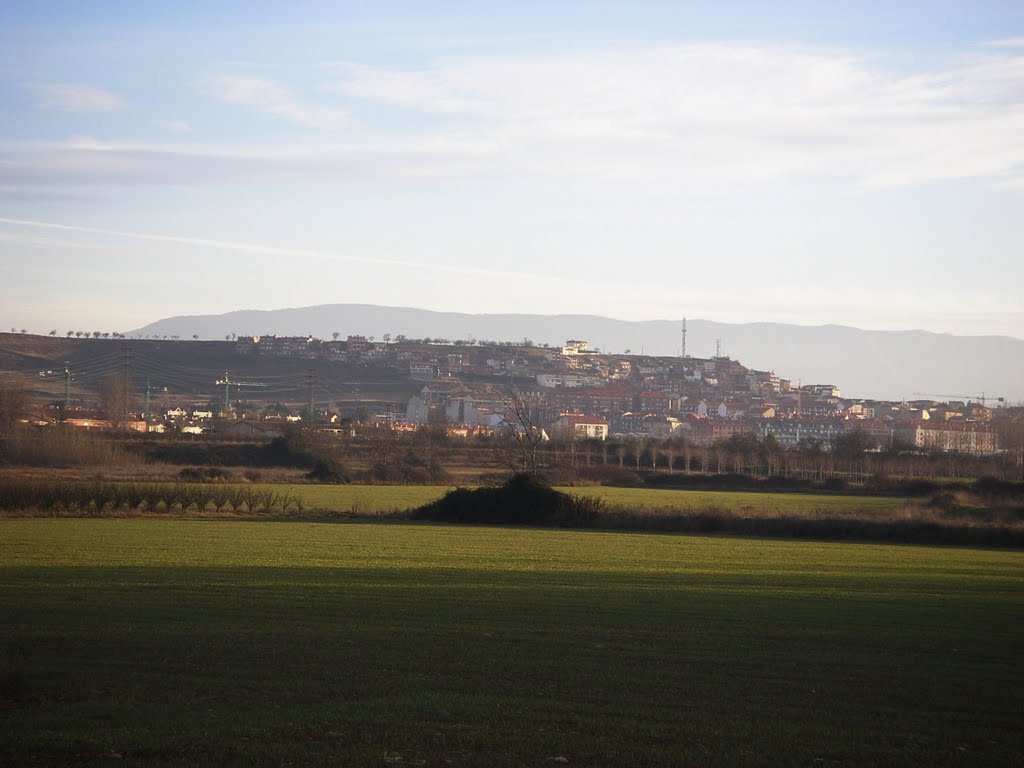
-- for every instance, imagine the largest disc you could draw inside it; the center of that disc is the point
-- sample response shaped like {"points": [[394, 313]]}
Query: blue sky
{"points": [[858, 163]]}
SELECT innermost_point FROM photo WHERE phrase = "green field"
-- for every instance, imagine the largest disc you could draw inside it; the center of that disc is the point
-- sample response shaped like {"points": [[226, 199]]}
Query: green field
{"points": [[195, 642], [387, 498]]}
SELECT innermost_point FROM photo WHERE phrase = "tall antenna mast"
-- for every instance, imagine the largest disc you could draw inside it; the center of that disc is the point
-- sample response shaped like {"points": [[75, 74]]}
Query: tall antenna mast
{"points": [[683, 353], [718, 347]]}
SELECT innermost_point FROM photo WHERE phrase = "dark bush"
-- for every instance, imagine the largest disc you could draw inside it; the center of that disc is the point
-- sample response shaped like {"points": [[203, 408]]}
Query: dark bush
{"points": [[200, 474], [205, 453], [994, 487], [329, 471], [524, 499], [609, 474], [406, 472], [727, 481], [918, 487]]}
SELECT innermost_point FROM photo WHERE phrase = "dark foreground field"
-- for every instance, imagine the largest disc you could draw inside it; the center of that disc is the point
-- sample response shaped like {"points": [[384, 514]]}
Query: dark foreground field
{"points": [[184, 642]]}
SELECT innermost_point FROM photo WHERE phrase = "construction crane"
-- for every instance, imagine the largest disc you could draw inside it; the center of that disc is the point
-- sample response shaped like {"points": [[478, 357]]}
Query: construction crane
{"points": [[228, 383], [1001, 401]]}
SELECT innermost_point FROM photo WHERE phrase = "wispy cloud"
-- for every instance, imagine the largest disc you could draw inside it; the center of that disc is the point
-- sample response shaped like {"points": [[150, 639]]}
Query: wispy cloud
{"points": [[684, 115], [1009, 42], [724, 110], [275, 99], [19, 238], [77, 97], [177, 126], [270, 250]]}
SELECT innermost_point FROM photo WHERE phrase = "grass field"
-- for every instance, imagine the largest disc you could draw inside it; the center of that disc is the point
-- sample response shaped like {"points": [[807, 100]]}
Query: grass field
{"points": [[191, 642], [386, 498]]}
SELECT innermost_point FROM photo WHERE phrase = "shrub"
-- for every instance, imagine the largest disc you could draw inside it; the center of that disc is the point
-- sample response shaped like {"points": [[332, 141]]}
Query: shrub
{"points": [[199, 474], [329, 471], [609, 474], [524, 499]]}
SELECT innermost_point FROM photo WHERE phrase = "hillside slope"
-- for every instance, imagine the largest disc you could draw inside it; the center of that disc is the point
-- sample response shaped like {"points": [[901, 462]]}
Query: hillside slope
{"points": [[881, 364]]}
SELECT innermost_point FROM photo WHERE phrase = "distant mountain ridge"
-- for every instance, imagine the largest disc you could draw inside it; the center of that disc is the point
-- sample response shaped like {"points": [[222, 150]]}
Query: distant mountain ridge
{"points": [[870, 364]]}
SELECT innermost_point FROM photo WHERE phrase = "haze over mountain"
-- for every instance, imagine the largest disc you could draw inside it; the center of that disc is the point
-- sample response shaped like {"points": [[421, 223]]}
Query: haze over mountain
{"points": [[876, 364]]}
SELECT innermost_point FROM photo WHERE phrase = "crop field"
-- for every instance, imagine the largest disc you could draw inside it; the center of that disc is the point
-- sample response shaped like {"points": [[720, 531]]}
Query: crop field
{"points": [[758, 502], [376, 500], [386, 498], [159, 642]]}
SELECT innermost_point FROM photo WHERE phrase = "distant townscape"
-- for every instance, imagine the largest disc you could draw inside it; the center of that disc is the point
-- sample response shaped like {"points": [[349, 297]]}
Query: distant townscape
{"points": [[576, 391], [479, 387]]}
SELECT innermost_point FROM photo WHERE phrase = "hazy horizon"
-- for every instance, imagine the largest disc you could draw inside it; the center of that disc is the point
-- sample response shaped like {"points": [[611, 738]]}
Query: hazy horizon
{"points": [[599, 315]]}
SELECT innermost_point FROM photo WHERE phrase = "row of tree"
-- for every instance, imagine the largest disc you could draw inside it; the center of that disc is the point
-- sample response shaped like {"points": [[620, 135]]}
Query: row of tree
{"points": [[528, 451]]}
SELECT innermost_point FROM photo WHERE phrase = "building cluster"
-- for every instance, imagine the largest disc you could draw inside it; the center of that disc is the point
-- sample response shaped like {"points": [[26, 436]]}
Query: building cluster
{"points": [[578, 391], [575, 391]]}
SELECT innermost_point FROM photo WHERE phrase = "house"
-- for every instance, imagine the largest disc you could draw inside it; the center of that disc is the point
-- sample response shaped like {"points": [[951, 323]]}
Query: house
{"points": [[576, 425], [422, 371], [106, 424], [464, 410], [693, 407], [654, 402], [761, 411], [821, 390], [575, 347], [705, 430], [955, 436], [731, 410], [793, 431], [664, 426], [417, 411]]}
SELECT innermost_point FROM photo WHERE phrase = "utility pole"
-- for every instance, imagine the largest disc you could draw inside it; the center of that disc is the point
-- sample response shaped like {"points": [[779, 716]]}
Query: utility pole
{"points": [[125, 405], [67, 388], [146, 412], [227, 391], [309, 385]]}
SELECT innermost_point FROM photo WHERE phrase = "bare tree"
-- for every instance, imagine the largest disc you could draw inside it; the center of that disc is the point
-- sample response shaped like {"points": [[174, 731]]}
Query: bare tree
{"points": [[118, 397], [526, 434], [382, 444], [13, 406]]}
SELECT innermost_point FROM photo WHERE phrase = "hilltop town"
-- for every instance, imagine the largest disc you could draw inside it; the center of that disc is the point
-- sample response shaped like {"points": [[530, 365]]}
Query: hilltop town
{"points": [[474, 387]]}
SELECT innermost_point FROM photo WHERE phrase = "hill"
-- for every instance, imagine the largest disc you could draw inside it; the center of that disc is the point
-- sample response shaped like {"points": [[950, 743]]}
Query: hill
{"points": [[863, 363], [188, 371]]}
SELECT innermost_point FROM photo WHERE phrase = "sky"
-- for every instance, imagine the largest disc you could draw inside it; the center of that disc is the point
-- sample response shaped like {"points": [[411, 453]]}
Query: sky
{"points": [[858, 163]]}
